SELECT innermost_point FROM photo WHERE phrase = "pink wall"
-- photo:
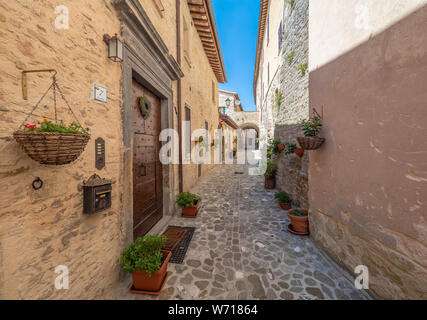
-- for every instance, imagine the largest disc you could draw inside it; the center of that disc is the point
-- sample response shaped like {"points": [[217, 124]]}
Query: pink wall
{"points": [[368, 183]]}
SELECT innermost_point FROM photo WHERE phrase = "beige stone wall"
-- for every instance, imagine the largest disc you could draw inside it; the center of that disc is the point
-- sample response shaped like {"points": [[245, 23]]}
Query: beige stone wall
{"points": [[368, 183], [198, 75], [42, 229]]}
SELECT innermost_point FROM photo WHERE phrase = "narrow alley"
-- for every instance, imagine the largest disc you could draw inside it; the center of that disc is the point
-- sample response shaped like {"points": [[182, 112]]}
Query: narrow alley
{"points": [[242, 250]]}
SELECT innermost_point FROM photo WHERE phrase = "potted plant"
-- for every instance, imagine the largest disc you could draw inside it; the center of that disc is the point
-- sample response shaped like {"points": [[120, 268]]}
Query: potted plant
{"points": [[189, 203], [147, 262], [200, 140], [292, 148], [311, 129], [269, 175], [299, 221], [284, 200], [53, 143]]}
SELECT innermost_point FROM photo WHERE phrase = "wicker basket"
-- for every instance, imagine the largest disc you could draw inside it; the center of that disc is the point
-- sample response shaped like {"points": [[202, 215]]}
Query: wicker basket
{"points": [[52, 148], [310, 143]]}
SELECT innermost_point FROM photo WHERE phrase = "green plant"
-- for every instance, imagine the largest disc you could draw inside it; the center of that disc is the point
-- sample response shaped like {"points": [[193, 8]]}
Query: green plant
{"points": [[143, 254], [186, 199], [292, 3], [290, 57], [299, 213], [311, 127], [303, 68], [279, 98], [272, 147], [271, 169], [201, 139], [283, 197], [290, 147], [61, 127]]}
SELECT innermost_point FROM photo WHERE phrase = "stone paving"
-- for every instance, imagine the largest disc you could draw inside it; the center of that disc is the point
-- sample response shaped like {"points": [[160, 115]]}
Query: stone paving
{"points": [[241, 249]]}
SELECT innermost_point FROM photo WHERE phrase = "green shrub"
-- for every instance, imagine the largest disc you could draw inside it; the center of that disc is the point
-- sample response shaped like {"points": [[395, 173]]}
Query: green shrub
{"points": [[279, 98], [143, 254], [186, 199], [303, 68], [311, 127], [299, 213], [271, 169], [290, 147], [290, 57], [283, 197], [60, 127]]}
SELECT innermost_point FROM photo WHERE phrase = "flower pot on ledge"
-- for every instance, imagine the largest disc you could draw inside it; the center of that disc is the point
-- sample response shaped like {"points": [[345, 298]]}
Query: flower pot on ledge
{"points": [[299, 152]]}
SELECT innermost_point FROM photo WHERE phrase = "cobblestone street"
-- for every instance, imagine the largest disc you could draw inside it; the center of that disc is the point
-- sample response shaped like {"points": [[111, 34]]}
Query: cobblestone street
{"points": [[241, 249]]}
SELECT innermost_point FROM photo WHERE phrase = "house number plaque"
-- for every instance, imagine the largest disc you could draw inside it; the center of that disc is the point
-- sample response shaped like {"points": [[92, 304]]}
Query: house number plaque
{"points": [[99, 153]]}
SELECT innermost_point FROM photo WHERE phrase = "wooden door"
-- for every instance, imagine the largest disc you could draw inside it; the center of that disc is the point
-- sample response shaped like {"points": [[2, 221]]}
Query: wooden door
{"points": [[147, 169]]}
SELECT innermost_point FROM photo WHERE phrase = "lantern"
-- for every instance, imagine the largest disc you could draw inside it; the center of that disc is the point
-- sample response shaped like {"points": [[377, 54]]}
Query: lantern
{"points": [[115, 47]]}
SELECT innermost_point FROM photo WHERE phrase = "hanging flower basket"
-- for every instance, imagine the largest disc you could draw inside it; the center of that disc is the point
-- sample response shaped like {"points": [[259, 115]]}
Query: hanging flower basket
{"points": [[52, 143], [52, 148], [311, 143], [144, 107]]}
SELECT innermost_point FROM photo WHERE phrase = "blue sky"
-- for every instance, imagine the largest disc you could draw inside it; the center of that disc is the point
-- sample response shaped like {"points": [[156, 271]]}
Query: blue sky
{"points": [[237, 23]]}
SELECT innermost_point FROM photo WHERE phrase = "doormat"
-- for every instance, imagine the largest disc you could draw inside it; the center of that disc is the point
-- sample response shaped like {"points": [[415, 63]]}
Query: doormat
{"points": [[180, 250], [174, 236]]}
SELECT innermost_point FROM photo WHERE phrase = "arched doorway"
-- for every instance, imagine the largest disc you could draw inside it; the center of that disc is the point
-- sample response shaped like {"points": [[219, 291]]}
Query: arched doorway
{"points": [[250, 126]]}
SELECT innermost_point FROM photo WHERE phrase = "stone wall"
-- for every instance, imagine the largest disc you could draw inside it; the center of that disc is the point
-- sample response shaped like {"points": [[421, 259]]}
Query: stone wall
{"points": [[198, 79], [292, 173], [368, 183], [42, 229]]}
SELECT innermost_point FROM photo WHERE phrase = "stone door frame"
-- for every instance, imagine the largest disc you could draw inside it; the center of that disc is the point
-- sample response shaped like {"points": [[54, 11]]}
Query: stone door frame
{"points": [[147, 60]]}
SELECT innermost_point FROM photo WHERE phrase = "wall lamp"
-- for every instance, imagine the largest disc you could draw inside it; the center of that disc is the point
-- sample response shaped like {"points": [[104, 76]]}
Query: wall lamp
{"points": [[115, 47]]}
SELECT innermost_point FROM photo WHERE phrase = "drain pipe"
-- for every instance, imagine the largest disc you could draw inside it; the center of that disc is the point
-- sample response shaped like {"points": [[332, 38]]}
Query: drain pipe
{"points": [[179, 93]]}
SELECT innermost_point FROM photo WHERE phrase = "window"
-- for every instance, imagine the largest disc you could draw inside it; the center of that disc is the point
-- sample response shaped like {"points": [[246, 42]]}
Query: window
{"points": [[187, 129], [222, 110], [280, 36], [213, 91], [186, 40]]}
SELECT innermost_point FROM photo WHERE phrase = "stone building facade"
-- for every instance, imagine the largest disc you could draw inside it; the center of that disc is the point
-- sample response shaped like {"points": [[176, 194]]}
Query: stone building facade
{"points": [[368, 183], [244, 119], [45, 228], [281, 88]]}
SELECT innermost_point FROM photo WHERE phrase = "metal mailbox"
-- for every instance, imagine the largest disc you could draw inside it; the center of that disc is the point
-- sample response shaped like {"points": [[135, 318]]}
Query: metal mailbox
{"points": [[96, 194]]}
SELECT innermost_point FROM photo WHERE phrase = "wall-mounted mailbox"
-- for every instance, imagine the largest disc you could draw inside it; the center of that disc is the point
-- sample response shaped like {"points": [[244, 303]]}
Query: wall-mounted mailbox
{"points": [[96, 194]]}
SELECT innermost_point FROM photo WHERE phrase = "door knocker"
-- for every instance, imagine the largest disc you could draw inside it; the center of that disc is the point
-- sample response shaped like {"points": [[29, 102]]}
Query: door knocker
{"points": [[144, 106], [37, 183]]}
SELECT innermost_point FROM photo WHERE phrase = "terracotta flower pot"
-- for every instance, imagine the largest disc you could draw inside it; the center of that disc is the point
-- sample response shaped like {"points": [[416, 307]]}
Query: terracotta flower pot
{"points": [[299, 224], [285, 206], [191, 212], [270, 183], [299, 152], [141, 280]]}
